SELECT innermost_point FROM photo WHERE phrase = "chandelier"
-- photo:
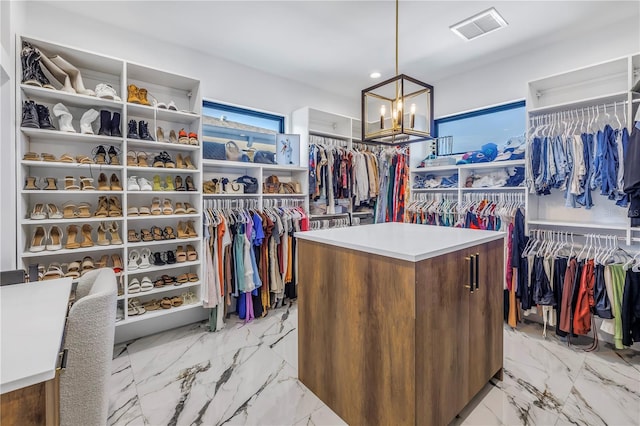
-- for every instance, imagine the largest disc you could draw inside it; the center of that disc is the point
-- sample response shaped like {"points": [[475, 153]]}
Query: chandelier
{"points": [[398, 110]]}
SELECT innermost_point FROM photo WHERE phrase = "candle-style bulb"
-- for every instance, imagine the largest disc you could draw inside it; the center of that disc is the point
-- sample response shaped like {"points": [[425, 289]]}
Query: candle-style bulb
{"points": [[383, 111], [412, 117]]}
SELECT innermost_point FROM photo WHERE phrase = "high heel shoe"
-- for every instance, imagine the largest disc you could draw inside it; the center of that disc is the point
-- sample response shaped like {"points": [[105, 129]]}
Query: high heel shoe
{"points": [[30, 183], [169, 184], [102, 183], [155, 206], [132, 159], [113, 233], [53, 211], [103, 207], [182, 231], [189, 209], [86, 234], [179, 162], [74, 75], [72, 233], [157, 233], [70, 184], [115, 183], [38, 240], [193, 138], [64, 118], [172, 136], [182, 137], [157, 184], [142, 159], [117, 264], [179, 185], [115, 208], [38, 212], [160, 135], [145, 253], [102, 235], [166, 207], [83, 210], [51, 184], [86, 183], [181, 255], [55, 238], [190, 229], [113, 152], [192, 254], [102, 263], [189, 165], [189, 182], [58, 74], [100, 155]]}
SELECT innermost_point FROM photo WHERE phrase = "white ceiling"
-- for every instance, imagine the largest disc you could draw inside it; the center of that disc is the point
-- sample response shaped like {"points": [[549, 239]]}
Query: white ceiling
{"points": [[334, 45]]}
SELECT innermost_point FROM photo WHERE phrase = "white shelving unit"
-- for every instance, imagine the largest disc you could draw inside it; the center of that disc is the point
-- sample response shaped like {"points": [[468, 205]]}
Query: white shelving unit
{"points": [[602, 83], [161, 85]]}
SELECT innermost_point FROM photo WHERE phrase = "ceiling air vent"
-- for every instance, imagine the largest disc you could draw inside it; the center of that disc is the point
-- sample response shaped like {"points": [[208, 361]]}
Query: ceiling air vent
{"points": [[479, 25]]}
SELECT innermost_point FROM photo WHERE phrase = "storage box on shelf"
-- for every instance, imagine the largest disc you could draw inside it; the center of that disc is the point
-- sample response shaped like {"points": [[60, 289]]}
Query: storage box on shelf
{"points": [[606, 83], [115, 202]]}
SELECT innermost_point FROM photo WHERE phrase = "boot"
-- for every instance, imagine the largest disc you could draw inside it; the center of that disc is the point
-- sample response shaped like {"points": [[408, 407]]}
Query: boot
{"points": [[57, 73], [142, 96], [44, 119], [105, 123], [28, 72], [38, 70], [86, 120], [64, 118], [30, 115], [143, 130], [115, 125], [133, 131], [74, 75], [132, 94]]}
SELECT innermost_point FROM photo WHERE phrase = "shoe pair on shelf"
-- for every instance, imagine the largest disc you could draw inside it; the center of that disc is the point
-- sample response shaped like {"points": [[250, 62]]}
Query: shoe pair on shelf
{"points": [[103, 156], [108, 207], [74, 269], [138, 184], [167, 184], [36, 116], [137, 286], [86, 183], [164, 258], [139, 130], [33, 183], [139, 259], [46, 239], [171, 106], [187, 230], [158, 208], [137, 159], [41, 211], [109, 124], [109, 185], [187, 139], [137, 95], [65, 73], [104, 230], [166, 280], [188, 253], [154, 234]]}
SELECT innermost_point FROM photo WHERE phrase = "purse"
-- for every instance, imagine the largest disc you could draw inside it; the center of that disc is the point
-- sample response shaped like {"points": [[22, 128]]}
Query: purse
{"points": [[264, 157], [213, 151], [235, 188], [271, 185], [233, 151], [250, 184]]}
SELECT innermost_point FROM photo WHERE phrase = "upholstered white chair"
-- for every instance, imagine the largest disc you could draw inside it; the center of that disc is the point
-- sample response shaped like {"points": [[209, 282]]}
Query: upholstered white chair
{"points": [[84, 394]]}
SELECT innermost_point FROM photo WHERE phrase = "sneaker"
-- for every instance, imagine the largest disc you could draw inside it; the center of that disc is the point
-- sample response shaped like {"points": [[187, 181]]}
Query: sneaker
{"points": [[132, 184]]}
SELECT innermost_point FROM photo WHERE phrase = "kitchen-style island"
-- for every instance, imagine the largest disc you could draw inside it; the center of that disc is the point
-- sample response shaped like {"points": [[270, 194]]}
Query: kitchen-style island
{"points": [[399, 324]]}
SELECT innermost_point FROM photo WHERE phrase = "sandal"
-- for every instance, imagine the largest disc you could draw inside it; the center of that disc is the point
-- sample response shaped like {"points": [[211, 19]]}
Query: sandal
{"points": [[193, 138], [115, 209], [132, 159], [72, 232], [169, 184], [113, 233], [182, 230], [144, 211], [152, 305], [52, 184], [157, 184], [158, 161], [181, 279], [31, 156], [73, 270], [53, 211], [134, 256], [133, 236], [70, 184], [188, 163], [135, 308], [30, 183], [102, 183], [132, 211], [157, 260], [87, 265], [66, 158], [115, 183], [102, 263], [86, 183], [159, 283], [146, 235], [190, 229], [142, 159], [83, 159], [179, 186], [192, 277], [146, 284], [168, 162], [118, 267], [102, 235], [49, 157], [179, 162], [166, 303], [192, 254], [134, 286], [157, 233], [166, 206], [54, 271], [38, 240], [113, 156], [168, 280], [155, 206], [145, 254], [68, 211], [179, 209], [83, 210], [181, 255], [182, 137], [86, 234], [171, 257], [176, 301], [168, 233], [38, 212], [100, 155], [189, 182], [172, 136]]}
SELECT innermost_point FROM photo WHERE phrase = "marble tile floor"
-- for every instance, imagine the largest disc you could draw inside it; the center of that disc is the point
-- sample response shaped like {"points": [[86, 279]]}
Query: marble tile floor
{"points": [[246, 375]]}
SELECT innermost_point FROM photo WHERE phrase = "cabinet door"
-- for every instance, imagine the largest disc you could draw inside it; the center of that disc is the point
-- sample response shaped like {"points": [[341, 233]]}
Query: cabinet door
{"points": [[442, 338], [485, 316]]}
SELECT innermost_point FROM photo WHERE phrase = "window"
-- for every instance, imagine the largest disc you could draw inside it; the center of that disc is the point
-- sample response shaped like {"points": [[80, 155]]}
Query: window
{"points": [[473, 129]]}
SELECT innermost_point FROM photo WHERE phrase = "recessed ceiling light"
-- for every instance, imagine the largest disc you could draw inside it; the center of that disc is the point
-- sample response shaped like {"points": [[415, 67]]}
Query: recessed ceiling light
{"points": [[375, 75], [478, 25]]}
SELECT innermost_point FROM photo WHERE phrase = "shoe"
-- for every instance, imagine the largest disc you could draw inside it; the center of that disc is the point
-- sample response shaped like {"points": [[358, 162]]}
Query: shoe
{"points": [[103, 207], [144, 184], [72, 232], [182, 230], [157, 259], [190, 229], [30, 183], [115, 183], [133, 130], [30, 115], [133, 211], [132, 159], [83, 159], [29, 57], [182, 137], [189, 165], [74, 75], [160, 135], [181, 255], [146, 235], [100, 155], [166, 303], [85, 121], [53, 211], [115, 125], [166, 207], [31, 156], [87, 265], [86, 184], [83, 210], [172, 136], [38, 212], [69, 211], [158, 161], [105, 123], [117, 264], [146, 285], [132, 94], [86, 234], [44, 119], [113, 233], [134, 257], [54, 271], [142, 96], [168, 233], [106, 91], [157, 183], [166, 159], [52, 184], [134, 286], [189, 209], [193, 277], [132, 236], [155, 206], [102, 235], [142, 159], [193, 138], [179, 185], [62, 77], [113, 153], [179, 208], [192, 254], [172, 106], [145, 254], [103, 185], [64, 118], [38, 240], [115, 208], [132, 184], [73, 270], [189, 182], [171, 258], [169, 184], [143, 131]]}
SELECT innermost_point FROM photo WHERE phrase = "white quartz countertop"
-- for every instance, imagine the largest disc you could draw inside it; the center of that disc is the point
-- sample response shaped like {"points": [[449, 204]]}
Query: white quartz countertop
{"points": [[33, 320], [406, 241]]}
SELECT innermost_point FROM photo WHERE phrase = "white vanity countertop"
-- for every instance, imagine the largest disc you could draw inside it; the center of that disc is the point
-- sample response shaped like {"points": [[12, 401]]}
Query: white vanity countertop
{"points": [[406, 241], [33, 320]]}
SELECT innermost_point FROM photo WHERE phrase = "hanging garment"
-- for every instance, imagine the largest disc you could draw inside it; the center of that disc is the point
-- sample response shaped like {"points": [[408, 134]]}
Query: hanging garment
{"points": [[560, 266], [566, 317], [631, 309], [602, 302], [618, 275], [582, 313]]}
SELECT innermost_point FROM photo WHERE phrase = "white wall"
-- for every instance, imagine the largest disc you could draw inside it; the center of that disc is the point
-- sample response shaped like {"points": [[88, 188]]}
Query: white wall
{"points": [[506, 80]]}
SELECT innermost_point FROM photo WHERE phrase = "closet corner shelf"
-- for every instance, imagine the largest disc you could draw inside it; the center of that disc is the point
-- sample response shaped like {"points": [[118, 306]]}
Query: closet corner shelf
{"points": [[284, 195], [144, 111], [157, 193], [57, 135], [153, 268], [284, 168], [69, 99], [162, 170], [157, 313], [327, 216], [579, 225], [160, 146], [580, 103], [71, 221], [328, 135], [164, 289], [60, 165], [175, 241], [451, 167], [493, 164], [94, 248]]}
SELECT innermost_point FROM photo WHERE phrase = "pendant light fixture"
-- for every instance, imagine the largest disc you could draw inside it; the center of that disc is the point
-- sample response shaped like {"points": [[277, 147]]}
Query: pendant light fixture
{"points": [[398, 110]]}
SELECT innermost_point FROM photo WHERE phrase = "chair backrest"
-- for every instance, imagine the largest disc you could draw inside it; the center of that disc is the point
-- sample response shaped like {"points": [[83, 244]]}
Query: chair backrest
{"points": [[84, 393], [16, 276]]}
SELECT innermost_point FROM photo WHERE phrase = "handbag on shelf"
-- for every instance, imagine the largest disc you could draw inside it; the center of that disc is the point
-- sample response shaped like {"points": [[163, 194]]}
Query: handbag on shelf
{"points": [[271, 185], [264, 157], [235, 188], [250, 184], [234, 153], [213, 151]]}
